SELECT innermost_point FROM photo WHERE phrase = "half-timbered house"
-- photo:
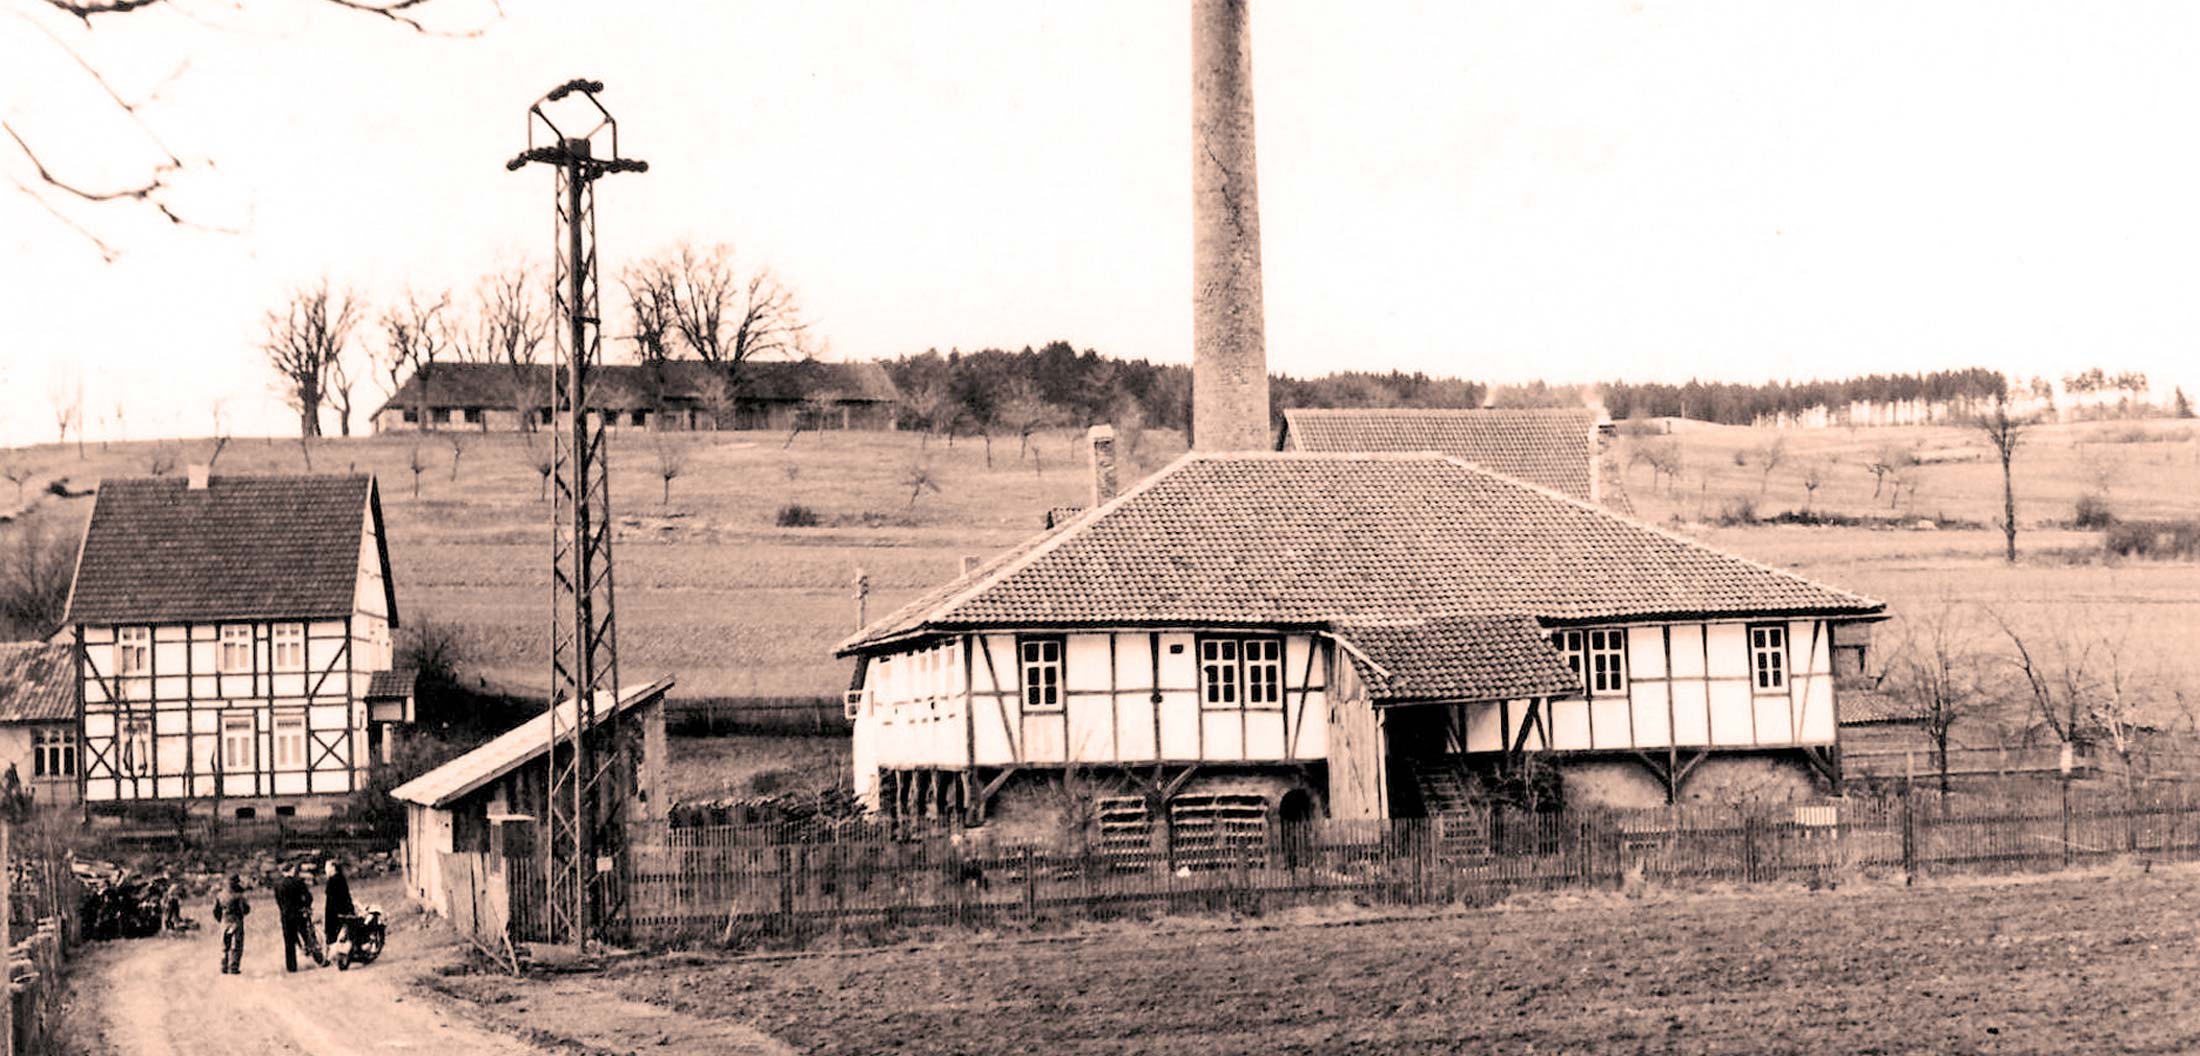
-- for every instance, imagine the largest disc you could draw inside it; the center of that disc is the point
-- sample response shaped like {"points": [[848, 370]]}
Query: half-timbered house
{"points": [[229, 634], [1348, 634]]}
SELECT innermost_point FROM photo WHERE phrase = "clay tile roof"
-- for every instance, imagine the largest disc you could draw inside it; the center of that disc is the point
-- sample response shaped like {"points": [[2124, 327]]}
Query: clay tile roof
{"points": [[1554, 448], [1292, 539], [1463, 658], [392, 685], [242, 548], [1864, 707], [37, 682]]}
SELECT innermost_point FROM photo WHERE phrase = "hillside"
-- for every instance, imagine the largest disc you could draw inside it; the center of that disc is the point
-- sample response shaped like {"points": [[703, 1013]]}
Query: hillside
{"points": [[712, 589]]}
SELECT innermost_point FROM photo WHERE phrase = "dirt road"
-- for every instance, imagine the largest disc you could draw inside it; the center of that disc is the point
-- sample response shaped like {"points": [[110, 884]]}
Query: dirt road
{"points": [[166, 997]]}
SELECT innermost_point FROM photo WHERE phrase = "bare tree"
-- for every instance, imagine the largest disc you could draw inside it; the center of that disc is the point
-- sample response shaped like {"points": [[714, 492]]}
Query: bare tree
{"points": [[457, 439], [2086, 687], [342, 380], [417, 461], [511, 330], [812, 413], [538, 456], [1130, 425], [1021, 407], [2005, 431], [16, 470], [39, 566], [721, 316], [918, 476], [1887, 461], [1769, 456], [1938, 671], [926, 403], [143, 164], [1814, 477], [303, 340], [68, 413], [671, 462], [416, 334]]}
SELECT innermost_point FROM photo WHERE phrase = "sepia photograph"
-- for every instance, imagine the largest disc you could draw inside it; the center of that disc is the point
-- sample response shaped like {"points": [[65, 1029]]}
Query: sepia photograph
{"points": [[990, 527]]}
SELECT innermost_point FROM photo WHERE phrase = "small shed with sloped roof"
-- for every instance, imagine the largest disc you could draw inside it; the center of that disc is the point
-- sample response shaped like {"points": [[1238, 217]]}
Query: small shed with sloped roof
{"points": [[467, 820]]}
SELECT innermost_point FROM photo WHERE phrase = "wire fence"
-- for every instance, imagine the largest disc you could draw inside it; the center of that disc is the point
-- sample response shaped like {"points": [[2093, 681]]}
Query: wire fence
{"points": [[744, 886]]}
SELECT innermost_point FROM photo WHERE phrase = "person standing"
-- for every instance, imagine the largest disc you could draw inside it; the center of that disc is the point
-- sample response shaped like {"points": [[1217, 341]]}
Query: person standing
{"points": [[230, 908], [295, 902], [336, 907]]}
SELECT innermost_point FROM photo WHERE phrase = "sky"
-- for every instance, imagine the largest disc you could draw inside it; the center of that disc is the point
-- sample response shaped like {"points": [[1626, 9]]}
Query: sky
{"points": [[1561, 190]]}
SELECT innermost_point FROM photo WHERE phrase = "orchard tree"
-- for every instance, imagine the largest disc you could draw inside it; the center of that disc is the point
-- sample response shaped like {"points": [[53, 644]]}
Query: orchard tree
{"points": [[2005, 431], [303, 341], [415, 335]]}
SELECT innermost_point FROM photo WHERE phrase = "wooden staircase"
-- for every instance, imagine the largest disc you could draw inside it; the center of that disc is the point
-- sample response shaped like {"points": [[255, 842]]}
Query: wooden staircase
{"points": [[1460, 829]]}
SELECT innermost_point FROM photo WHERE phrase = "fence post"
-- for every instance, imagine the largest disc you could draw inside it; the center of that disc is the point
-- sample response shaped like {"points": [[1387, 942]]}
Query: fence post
{"points": [[7, 944], [1031, 887], [1909, 839], [2066, 816]]}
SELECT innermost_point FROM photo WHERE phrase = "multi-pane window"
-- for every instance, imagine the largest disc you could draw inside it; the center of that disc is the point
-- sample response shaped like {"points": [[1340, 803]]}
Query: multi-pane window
{"points": [[289, 646], [290, 742], [1768, 648], [234, 654], [1607, 661], [133, 650], [1241, 672], [1218, 672], [238, 754], [1599, 656], [1041, 663], [473, 416], [53, 753]]}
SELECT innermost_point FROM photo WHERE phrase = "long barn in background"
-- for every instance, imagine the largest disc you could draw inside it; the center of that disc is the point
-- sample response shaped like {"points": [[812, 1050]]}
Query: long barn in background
{"points": [[232, 641], [1344, 634]]}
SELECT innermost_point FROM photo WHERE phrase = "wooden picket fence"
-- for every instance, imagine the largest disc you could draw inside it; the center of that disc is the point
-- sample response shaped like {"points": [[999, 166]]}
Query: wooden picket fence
{"points": [[732, 885]]}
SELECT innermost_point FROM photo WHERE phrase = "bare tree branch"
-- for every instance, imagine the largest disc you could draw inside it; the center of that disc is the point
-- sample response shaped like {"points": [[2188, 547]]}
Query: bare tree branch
{"points": [[304, 341]]}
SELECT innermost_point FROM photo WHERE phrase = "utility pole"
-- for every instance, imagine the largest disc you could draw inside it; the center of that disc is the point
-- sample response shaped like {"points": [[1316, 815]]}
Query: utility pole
{"points": [[584, 835]]}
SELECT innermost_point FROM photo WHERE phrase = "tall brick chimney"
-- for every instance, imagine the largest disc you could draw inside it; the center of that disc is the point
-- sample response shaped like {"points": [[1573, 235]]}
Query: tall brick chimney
{"points": [[1229, 352]]}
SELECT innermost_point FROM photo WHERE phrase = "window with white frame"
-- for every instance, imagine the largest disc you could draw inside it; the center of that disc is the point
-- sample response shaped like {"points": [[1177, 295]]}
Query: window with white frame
{"points": [[239, 745], [1218, 672], [133, 650], [234, 655], [53, 753], [1241, 672], [1768, 647], [290, 742], [1598, 655], [1040, 661], [288, 641]]}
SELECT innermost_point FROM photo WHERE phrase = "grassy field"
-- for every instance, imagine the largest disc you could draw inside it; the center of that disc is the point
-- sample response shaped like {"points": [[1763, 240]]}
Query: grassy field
{"points": [[713, 590], [2092, 962]]}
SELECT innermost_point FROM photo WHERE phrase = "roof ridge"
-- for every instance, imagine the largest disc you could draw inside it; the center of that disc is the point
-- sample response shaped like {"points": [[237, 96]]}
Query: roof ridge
{"points": [[1606, 511], [987, 575], [1323, 412]]}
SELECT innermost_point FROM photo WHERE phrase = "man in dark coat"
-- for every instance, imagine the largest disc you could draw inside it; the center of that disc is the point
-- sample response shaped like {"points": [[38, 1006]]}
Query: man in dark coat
{"points": [[336, 903], [294, 900], [230, 909]]}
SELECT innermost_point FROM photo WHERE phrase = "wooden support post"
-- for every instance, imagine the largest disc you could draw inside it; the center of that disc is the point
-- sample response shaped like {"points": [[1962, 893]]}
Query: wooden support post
{"points": [[1031, 887], [1909, 838]]}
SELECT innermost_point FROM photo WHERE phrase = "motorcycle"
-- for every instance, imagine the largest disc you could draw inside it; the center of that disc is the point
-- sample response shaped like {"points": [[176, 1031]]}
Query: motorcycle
{"points": [[360, 939]]}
